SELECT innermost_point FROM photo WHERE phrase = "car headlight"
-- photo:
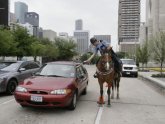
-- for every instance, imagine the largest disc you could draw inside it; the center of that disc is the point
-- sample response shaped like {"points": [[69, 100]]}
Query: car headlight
{"points": [[60, 92], [21, 89]]}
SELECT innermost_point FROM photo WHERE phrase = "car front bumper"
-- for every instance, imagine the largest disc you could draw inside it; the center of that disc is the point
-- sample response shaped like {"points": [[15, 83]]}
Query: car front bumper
{"points": [[47, 100], [130, 73]]}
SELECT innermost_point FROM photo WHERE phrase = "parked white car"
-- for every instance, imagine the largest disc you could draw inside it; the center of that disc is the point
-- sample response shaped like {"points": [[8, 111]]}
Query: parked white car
{"points": [[129, 68]]}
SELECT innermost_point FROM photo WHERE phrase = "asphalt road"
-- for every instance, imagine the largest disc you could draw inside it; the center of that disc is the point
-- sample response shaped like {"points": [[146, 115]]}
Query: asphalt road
{"points": [[139, 103]]}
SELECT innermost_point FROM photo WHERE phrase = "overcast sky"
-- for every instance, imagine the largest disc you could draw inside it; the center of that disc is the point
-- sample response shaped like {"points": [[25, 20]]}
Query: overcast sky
{"points": [[99, 16]]}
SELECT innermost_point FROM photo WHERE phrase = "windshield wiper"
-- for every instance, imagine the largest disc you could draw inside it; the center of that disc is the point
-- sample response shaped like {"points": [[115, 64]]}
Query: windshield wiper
{"points": [[54, 76]]}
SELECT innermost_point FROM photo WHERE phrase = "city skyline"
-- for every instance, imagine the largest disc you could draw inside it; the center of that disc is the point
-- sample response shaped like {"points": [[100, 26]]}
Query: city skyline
{"points": [[100, 18]]}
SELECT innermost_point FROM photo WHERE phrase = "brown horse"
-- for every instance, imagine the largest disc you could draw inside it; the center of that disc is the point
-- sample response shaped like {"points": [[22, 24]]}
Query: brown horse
{"points": [[106, 73]]}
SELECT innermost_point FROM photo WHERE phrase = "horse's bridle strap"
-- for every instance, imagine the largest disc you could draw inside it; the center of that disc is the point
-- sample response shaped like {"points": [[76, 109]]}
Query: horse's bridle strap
{"points": [[104, 73]]}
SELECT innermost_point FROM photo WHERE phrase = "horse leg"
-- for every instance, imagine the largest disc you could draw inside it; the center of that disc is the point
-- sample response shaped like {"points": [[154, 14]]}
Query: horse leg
{"points": [[101, 98], [118, 89], [109, 93], [113, 86]]}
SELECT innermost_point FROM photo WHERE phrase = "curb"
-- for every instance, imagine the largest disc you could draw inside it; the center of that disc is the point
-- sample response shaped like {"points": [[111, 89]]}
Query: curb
{"points": [[159, 83]]}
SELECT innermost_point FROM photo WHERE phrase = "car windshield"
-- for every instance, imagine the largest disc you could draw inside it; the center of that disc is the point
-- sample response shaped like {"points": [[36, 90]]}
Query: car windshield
{"points": [[57, 70], [129, 62], [12, 67]]}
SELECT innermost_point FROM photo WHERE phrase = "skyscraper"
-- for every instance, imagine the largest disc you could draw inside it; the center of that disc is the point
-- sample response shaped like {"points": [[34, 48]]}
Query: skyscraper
{"points": [[4, 12], [33, 19], [155, 16], [82, 37], [129, 23], [20, 10], [79, 24]]}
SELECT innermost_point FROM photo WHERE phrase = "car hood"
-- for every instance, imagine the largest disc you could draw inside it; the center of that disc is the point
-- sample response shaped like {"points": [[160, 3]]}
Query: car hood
{"points": [[4, 73], [47, 83]]}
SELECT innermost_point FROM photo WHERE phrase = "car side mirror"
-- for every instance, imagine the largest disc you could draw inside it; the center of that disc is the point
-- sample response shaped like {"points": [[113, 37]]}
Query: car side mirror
{"points": [[81, 76], [22, 69]]}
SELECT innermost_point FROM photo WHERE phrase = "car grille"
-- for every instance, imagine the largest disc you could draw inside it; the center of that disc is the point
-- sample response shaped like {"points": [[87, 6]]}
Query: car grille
{"points": [[38, 92], [37, 103], [128, 68]]}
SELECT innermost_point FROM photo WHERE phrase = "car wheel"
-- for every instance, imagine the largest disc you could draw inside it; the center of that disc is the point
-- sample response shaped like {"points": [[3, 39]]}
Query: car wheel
{"points": [[72, 106], [84, 91], [11, 86]]}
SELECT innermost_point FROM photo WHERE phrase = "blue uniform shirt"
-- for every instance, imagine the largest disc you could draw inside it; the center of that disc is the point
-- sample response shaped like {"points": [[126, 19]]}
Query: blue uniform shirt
{"points": [[101, 47]]}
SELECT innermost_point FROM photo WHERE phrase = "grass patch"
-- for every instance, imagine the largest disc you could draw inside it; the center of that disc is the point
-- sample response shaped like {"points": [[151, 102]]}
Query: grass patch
{"points": [[157, 69], [158, 75]]}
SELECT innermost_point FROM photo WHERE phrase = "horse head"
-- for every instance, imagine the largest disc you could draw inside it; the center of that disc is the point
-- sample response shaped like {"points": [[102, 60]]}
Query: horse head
{"points": [[105, 62]]}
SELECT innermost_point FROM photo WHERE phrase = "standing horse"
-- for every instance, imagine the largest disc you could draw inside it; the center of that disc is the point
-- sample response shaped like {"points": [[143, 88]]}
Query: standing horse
{"points": [[106, 73]]}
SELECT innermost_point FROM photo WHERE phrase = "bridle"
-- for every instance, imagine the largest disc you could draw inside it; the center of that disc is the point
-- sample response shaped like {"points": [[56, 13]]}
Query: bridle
{"points": [[108, 66]]}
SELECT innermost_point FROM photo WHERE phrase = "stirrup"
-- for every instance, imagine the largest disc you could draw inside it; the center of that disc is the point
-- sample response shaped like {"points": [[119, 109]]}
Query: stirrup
{"points": [[95, 75]]}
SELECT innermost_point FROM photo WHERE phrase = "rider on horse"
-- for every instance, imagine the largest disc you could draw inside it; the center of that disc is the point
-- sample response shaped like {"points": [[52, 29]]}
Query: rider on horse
{"points": [[102, 46]]}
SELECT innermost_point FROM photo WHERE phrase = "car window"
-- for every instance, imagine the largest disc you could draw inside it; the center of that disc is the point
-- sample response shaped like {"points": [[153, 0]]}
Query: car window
{"points": [[26, 66], [33, 65], [129, 62], [79, 71], [84, 70]]}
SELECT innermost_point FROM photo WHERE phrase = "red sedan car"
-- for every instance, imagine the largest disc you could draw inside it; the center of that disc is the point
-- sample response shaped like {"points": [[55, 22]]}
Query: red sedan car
{"points": [[56, 84]]}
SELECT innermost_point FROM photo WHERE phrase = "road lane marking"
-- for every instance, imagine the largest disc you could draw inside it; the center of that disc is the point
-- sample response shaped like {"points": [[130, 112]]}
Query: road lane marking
{"points": [[6, 102], [99, 114], [97, 121]]}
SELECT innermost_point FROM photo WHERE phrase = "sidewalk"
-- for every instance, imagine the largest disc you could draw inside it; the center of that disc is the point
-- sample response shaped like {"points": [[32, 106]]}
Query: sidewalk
{"points": [[147, 76]]}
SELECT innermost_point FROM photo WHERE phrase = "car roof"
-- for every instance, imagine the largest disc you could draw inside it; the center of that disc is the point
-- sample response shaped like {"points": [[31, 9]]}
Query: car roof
{"points": [[65, 63]]}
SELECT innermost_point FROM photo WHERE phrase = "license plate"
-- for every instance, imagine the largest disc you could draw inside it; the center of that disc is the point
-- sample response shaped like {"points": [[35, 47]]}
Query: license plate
{"points": [[127, 72], [36, 98]]}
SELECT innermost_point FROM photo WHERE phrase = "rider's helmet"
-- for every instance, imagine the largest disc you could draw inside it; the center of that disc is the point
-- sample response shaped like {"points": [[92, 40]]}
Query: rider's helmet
{"points": [[93, 40]]}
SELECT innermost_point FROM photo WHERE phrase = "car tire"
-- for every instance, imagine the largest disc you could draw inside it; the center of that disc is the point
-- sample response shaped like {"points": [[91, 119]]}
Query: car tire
{"points": [[84, 91], [72, 106], [23, 106], [11, 86]]}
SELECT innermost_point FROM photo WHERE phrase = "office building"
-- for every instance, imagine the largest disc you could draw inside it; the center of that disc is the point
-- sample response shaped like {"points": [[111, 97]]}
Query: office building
{"points": [[82, 38], [33, 19], [50, 34], [155, 16], [20, 10], [79, 24], [28, 26], [4, 12], [128, 25], [12, 18]]}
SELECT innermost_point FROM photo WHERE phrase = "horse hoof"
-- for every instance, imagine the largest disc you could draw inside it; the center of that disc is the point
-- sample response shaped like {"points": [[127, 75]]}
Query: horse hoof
{"points": [[100, 103]]}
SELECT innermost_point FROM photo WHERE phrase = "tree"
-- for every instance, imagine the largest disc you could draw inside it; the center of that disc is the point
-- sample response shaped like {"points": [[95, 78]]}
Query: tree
{"points": [[24, 42], [37, 49], [67, 49], [8, 45], [122, 54], [142, 54], [158, 48]]}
